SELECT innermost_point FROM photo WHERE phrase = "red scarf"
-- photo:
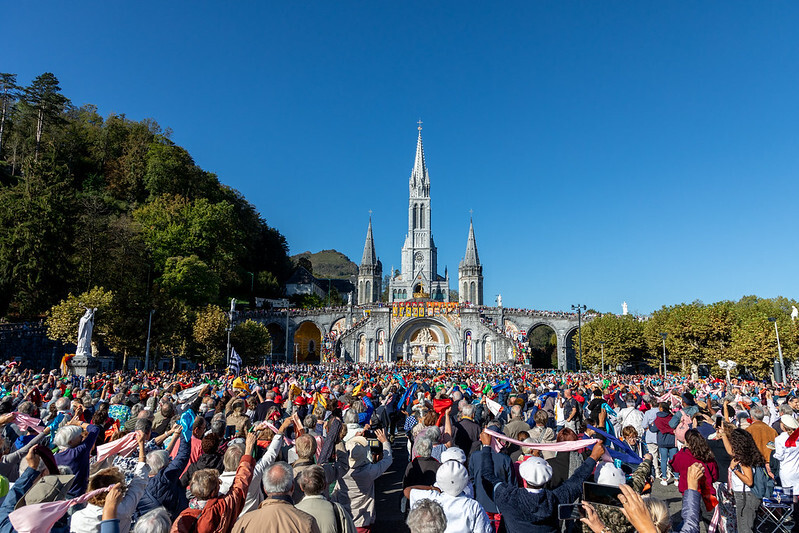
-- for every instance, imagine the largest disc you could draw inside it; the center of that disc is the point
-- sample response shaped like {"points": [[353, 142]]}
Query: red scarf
{"points": [[791, 442]]}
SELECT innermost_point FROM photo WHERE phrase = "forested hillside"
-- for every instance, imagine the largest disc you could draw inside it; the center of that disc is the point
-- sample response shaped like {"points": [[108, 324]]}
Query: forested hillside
{"points": [[108, 202]]}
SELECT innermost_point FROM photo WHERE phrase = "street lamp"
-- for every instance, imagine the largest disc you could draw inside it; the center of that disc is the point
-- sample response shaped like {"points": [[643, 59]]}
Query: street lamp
{"points": [[602, 345], [779, 349], [580, 309], [664, 335], [230, 327]]}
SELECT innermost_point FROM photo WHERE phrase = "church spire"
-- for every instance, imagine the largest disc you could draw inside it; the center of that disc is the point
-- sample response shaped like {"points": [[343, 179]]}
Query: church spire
{"points": [[420, 181], [369, 257], [471, 258]]}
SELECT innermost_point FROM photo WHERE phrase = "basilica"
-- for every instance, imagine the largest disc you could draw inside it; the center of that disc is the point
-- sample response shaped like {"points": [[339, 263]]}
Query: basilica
{"points": [[418, 278]]}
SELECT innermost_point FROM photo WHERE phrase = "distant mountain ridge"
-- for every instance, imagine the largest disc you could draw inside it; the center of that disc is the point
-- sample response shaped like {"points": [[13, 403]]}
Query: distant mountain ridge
{"points": [[329, 264]]}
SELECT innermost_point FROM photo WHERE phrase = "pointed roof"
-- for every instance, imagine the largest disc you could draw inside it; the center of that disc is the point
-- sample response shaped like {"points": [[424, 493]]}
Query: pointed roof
{"points": [[369, 257], [419, 177], [471, 258]]}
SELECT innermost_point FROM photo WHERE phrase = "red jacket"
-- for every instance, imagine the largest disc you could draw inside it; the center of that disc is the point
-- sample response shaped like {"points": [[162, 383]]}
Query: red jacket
{"points": [[683, 460], [219, 514]]}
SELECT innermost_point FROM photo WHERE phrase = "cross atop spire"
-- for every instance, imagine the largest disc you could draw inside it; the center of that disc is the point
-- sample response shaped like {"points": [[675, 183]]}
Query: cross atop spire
{"points": [[419, 122], [369, 257], [420, 181], [471, 258]]}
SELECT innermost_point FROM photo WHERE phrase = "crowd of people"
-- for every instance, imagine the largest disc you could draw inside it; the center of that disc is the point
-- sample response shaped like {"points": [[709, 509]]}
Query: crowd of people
{"points": [[289, 448]]}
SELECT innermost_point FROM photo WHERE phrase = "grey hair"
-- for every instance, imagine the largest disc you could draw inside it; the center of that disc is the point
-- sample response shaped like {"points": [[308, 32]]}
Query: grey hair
{"points": [[785, 409], [62, 404], [26, 407], [278, 479], [350, 417], [424, 447], [516, 410], [467, 410], [145, 425], [155, 521], [219, 426], [157, 460], [433, 433], [427, 517], [135, 410], [65, 435], [757, 412]]}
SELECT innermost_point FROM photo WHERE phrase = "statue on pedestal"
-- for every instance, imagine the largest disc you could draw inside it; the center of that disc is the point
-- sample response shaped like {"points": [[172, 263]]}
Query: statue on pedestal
{"points": [[84, 363]]}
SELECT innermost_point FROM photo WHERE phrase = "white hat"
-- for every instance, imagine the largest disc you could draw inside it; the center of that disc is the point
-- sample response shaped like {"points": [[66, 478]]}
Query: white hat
{"points": [[551, 386], [535, 471], [610, 474], [789, 422], [453, 454], [352, 431], [452, 477]]}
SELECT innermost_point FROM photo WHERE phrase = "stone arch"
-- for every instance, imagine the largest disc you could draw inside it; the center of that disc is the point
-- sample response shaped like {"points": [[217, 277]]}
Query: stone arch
{"points": [[473, 292], [425, 338], [569, 350], [307, 342], [542, 343], [368, 292], [381, 345], [469, 349], [362, 349], [278, 334]]}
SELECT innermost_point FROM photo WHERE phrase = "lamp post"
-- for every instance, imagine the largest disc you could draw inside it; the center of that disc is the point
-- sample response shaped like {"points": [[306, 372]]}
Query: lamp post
{"points": [[147, 349], [664, 335], [779, 349], [230, 328], [580, 309], [602, 346]]}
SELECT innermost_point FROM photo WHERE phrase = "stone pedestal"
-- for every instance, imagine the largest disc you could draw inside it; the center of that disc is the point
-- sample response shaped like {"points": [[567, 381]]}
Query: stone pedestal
{"points": [[80, 365]]}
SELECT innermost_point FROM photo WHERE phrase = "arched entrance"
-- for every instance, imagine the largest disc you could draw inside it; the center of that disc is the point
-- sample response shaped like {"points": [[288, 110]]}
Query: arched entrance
{"points": [[543, 343], [307, 343], [425, 340], [278, 335], [570, 342]]}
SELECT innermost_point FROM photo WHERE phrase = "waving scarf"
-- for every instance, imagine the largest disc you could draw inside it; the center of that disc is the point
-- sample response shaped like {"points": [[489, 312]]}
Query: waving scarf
{"points": [[41, 517], [622, 450], [26, 422], [565, 446], [122, 447]]}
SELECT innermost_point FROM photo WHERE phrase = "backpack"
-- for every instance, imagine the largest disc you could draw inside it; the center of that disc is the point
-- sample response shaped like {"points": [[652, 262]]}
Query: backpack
{"points": [[763, 485], [682, 427]]}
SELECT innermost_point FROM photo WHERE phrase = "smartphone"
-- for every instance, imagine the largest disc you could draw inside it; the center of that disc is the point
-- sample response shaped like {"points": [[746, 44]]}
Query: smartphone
{"points": [[601, 494], [566, 511]]}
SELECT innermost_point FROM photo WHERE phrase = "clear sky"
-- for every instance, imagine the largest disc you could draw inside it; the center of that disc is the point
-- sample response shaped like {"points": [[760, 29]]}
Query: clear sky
{"points": [[611, 151]]}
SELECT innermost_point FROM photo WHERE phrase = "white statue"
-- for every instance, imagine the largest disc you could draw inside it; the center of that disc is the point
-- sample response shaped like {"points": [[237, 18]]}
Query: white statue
{"points": [[349, 299], [794, 313], [85, 328], [624, 308], [499, 300]]}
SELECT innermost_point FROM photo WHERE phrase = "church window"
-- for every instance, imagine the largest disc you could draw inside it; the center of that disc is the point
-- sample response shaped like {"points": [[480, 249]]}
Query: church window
{"points": [[368, 294]]}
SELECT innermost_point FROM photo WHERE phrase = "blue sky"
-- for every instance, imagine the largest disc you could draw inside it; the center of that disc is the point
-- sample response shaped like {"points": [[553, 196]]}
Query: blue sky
{"points": [[610, 151]]}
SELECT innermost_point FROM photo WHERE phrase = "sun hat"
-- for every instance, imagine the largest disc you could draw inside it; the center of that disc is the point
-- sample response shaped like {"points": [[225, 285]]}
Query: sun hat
{"points": [[358, 448], [789, 422]]}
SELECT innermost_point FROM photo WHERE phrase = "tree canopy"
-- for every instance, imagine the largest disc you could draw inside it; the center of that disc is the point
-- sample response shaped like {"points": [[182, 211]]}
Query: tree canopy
{"points": [[88, 201]]}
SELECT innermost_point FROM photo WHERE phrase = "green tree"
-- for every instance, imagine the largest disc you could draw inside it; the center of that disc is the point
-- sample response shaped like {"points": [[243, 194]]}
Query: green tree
{"points": [[8, 95], [45, 98], [622, 337], [210, 333], [63, 318], [252, 341], [189, 279]]}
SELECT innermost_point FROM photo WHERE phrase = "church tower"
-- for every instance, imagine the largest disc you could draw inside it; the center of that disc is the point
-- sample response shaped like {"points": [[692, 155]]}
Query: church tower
{"points": [[470, 273], [419, 271], [370, 273]]}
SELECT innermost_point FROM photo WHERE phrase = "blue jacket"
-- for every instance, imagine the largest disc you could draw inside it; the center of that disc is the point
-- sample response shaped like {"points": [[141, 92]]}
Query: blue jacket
{"points": [[691, 511], [499, 467], [532, 512], [164, 489]]}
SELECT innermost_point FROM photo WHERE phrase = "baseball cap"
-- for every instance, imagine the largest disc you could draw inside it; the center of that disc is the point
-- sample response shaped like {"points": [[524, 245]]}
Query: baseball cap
{"points": [[453, 454], [452, 477], [789, 422]]}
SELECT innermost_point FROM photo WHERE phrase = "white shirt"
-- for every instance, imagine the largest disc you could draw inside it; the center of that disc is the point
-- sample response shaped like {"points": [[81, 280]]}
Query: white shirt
{"points": [[789, 461], [464, 515]]}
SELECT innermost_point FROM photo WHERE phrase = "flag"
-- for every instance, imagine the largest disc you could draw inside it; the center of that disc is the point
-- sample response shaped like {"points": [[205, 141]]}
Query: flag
{"points": [[235, 361]]}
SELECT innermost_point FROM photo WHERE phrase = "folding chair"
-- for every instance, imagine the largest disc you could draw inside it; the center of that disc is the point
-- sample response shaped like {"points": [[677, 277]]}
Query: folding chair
{"points": [[774, 516]]}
